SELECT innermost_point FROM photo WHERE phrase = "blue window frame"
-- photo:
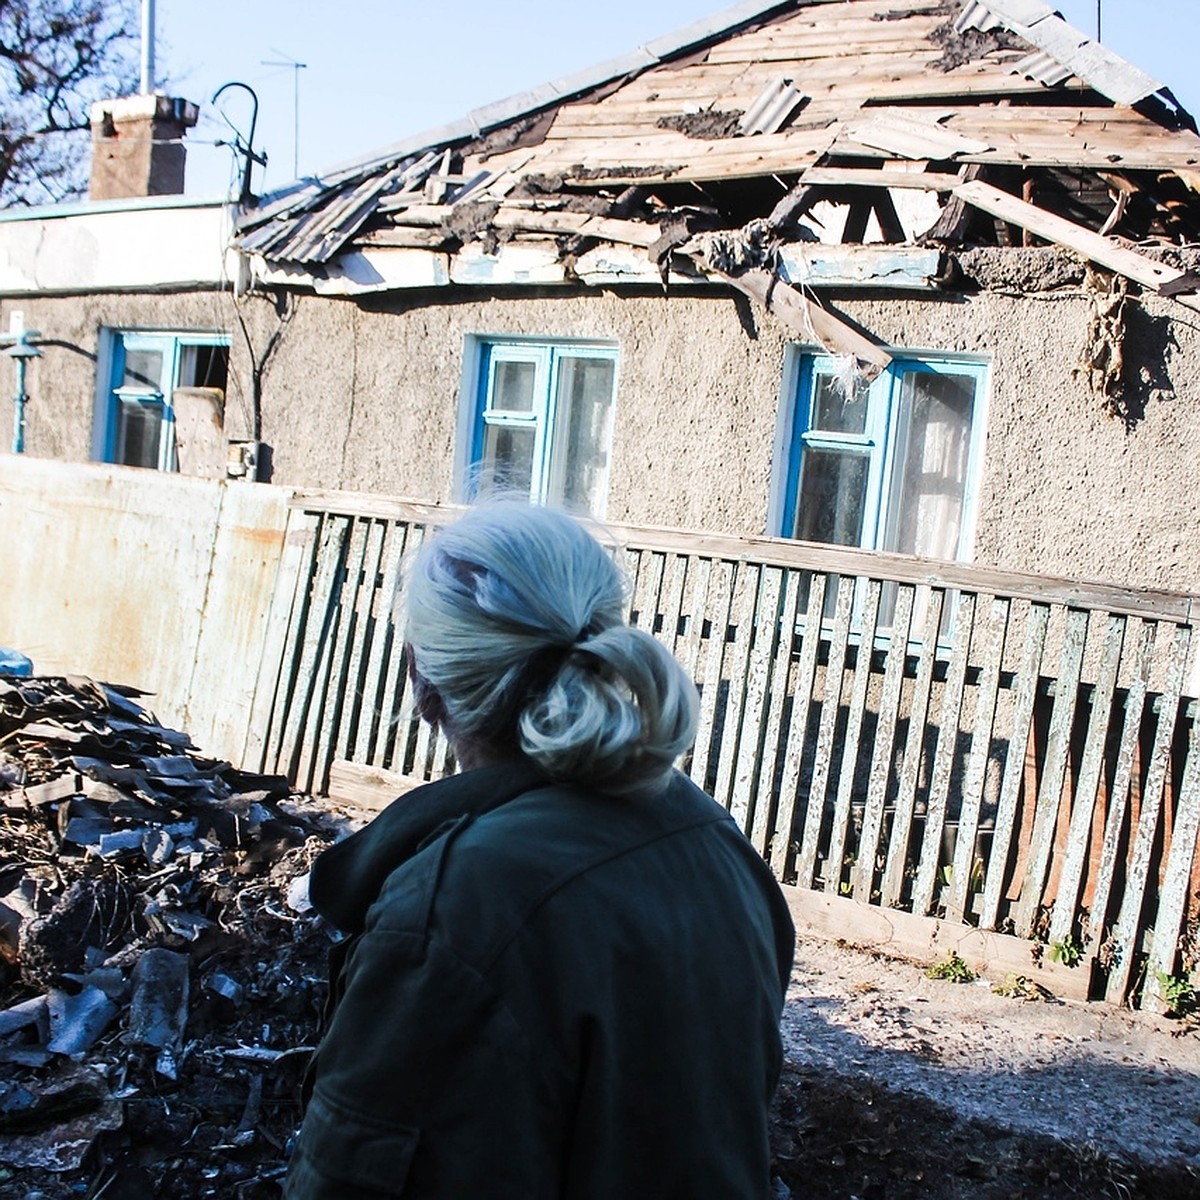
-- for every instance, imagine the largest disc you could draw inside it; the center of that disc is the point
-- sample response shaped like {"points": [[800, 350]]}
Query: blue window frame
{"points": [[136, 416], [543, 421], [890, 465]]}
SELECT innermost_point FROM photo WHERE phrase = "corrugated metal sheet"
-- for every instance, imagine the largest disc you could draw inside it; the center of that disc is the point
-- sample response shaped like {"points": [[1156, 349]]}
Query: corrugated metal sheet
{"points": [[294, 199], [1042, 27], [911, 139], [995, 13], [1095, 64], [977, 16], [318, 193], [319, 234], [773, 108], [1043, 68]]}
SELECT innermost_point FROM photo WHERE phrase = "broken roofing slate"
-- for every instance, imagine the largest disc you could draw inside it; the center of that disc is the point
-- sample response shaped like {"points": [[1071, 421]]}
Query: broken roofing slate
{"points": [[161, 973]]}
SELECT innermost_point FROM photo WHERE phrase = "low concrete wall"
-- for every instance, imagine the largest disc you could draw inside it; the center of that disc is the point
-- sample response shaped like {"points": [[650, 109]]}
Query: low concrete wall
{"points": [[121, 574]]}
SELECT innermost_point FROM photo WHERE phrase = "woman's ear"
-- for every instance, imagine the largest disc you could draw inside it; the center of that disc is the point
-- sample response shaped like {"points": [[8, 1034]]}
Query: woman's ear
{"points": [[427, 700]]}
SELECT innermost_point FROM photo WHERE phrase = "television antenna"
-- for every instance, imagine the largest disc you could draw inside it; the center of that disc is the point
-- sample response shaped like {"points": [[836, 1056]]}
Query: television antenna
{"points": [[240, 146], [285, 60]]}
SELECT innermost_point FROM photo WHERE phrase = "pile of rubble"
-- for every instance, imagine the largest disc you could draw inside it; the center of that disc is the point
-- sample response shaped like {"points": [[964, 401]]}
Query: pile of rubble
{"points": [[161, 972]]}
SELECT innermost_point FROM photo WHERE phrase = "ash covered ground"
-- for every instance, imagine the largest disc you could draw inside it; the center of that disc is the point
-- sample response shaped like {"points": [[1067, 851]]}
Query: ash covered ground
{"points": [[161, 981]]}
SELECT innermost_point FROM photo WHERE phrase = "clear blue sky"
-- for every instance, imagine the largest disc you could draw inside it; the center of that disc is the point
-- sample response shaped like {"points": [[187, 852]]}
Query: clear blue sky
{"points": [[378, 71]]}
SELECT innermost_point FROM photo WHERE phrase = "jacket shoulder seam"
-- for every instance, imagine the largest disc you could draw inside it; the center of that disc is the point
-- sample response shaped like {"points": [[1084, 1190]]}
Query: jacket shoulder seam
{"points": [[489, 961]]}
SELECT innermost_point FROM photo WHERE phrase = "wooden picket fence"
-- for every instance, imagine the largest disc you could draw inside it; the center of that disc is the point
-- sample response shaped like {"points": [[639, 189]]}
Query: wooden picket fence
{"points": [[1015, 753]]}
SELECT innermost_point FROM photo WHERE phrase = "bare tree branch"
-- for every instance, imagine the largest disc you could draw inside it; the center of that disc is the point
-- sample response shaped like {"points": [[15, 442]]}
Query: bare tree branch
{"points": [[56, 58]]}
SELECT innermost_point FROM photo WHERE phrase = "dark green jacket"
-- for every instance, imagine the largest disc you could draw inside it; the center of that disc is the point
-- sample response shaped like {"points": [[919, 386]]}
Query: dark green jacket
{"points": [[546, 995]]}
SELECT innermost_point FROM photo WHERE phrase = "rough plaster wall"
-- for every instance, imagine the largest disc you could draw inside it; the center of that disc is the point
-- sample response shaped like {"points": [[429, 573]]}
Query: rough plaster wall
{"points": [[62, 383], [307, 396], [412, 359], [1065, 489], [365, 396], [698, 395], [378, 410]]}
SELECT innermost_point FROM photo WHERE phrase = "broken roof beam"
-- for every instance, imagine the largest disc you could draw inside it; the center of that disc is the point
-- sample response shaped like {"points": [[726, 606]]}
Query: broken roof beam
{"points": [[890, 225], [955, 218], [421, 214], [406, 237], [929, 181], [800, 198], [1155, 275], [808, 320], [610, 229]]}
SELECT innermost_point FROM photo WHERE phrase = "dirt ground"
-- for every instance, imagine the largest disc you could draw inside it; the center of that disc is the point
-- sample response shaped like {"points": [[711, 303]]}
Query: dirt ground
{"points": [[897, 1085]]}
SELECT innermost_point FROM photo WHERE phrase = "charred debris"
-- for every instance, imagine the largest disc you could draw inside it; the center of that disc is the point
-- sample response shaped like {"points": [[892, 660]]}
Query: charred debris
{"points": [[920, 137], [161, 973]]}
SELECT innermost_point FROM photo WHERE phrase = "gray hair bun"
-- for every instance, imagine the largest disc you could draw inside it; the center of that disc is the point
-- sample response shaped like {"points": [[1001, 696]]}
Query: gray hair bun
{"points": [[515, 614]]}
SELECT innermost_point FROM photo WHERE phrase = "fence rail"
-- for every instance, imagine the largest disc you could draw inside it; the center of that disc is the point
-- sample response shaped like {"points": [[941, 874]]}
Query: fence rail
{"points": [[1015, 753]]}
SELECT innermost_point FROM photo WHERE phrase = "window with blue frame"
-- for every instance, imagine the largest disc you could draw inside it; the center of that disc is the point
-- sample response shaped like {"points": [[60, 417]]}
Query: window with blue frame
{"points": [[543, 422], [136, 415], [889, 465]]}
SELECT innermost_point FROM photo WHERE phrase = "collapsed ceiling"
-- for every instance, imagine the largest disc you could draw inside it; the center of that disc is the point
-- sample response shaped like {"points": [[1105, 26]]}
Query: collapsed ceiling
{"points": [[778, 148]]}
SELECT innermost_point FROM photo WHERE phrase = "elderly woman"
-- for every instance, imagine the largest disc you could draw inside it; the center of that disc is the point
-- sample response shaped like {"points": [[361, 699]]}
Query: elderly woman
{"points": [[565, 965]]}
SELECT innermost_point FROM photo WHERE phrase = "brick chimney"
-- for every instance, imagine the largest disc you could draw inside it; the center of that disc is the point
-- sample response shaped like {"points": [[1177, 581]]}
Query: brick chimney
{"points": [[137, 146]]}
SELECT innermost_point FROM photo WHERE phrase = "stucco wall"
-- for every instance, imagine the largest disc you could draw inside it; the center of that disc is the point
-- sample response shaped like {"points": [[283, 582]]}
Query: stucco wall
{"points": [[365, 395], [378, 408], [1066, 489], [62, 383]]}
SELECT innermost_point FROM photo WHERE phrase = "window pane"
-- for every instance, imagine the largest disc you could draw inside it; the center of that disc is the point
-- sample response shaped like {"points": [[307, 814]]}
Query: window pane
{"points": [[507, 458], [203, 366], [583, 416], [143, 370], [933, 475], [837, 407], [833, 494], [139, 433], [512, 386]]}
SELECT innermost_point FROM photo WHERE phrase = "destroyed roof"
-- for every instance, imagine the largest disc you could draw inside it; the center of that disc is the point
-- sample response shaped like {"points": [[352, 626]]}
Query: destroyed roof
{"points": [[978, 116]]}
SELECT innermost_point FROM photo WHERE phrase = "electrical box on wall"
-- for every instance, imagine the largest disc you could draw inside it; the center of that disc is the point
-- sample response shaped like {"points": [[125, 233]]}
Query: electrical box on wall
{"points": [[241, 461]]}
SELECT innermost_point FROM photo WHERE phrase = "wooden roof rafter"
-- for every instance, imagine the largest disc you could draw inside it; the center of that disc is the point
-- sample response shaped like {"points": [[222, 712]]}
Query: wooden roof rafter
{"points": [[1159, 277]]}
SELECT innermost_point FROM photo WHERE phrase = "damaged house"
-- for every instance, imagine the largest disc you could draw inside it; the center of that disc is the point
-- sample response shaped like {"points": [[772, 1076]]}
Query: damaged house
{"points": [[905, 276], [893, 303]]}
